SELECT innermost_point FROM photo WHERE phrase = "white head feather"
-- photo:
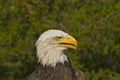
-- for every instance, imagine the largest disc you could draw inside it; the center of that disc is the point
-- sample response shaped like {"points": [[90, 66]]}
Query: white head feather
{"points": [[48, 52]]}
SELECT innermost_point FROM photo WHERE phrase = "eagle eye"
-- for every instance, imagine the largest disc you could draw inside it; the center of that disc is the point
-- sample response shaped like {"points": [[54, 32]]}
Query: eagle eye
{"points": [[58, 37]]}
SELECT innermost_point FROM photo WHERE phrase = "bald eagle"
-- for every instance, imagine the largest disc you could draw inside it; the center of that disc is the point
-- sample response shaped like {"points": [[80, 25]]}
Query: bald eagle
{"points": [[53, 63]]}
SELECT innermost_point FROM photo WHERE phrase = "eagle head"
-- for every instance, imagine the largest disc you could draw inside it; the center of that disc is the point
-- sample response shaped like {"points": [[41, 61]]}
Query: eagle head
{"points": [[50, 46]]}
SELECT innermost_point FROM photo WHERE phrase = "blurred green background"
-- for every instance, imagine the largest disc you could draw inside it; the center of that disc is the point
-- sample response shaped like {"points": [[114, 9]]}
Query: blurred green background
{"points": [[94, 23]]}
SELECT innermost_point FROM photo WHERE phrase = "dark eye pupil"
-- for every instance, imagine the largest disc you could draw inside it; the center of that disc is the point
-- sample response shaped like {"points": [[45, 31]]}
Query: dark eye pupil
{"points": [[59, 37]]}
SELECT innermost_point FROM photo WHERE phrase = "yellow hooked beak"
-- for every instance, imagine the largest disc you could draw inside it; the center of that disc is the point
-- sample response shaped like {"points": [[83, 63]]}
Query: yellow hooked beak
{"points": [[68, 42]]}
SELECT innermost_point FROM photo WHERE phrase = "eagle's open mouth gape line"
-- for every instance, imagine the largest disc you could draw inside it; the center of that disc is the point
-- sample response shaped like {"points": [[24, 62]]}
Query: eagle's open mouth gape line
{"points": [[69, 44]]}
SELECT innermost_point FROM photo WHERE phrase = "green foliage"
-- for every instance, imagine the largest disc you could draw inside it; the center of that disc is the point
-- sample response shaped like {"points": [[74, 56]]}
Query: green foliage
{"points": [[95, 24]]}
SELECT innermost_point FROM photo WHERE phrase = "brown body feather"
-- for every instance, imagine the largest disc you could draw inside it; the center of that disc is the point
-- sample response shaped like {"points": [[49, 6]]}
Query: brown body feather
{"points": [[60, 72]]}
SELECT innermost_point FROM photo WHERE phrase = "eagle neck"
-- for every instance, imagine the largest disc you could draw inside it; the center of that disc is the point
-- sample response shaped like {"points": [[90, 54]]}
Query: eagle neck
{"points": [[50, 56]]}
